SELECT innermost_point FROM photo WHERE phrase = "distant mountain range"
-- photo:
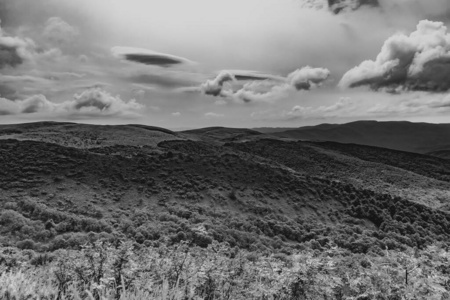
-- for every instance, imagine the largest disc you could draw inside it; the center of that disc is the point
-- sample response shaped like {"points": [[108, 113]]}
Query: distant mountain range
{"points": [[422, 138]]}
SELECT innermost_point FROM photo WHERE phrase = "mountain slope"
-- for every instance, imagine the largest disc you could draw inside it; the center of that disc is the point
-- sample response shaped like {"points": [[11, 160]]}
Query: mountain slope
{"points": [[419, 178], [157, 187], [405, 136]]}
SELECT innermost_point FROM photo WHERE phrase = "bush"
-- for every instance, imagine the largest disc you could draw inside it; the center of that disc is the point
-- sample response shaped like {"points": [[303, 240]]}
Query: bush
{"points": [[26, 244]]}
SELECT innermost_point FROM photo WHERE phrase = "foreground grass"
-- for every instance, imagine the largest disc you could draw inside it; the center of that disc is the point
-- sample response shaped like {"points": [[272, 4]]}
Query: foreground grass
{"points": [[101, 271]]}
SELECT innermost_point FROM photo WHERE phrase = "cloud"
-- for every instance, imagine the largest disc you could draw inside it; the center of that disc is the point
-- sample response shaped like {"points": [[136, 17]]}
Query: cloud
{"points": [[90, 103], [337, 6], [337, 109], [420, 61], [246, 75], [176, 114], [148, 57], [9, 57], [259, 87], [436, 9], [58, 32], [6, 91], [33, 104], [161, 80], [342, 108], [419, 104], [307, 77], [214, 87], [212, 115], [262, 92], [14, 50]]}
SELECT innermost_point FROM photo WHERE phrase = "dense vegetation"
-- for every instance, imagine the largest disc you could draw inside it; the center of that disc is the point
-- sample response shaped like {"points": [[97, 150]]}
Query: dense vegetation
{"points": [[124, 271], [190, 191], [192, 219], [420, 178]]}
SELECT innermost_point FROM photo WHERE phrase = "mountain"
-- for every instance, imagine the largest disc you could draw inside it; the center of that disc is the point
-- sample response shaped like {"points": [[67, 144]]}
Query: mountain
{"points": [[404, 136], [66, 184]]}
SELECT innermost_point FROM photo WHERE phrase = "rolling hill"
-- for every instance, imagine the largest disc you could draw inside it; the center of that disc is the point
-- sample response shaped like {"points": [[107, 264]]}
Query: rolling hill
{"points": [[404, 136], [64, 184]]}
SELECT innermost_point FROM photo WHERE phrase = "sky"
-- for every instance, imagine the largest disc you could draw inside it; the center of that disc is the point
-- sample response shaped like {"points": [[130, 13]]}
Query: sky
{"points": [[238, 63]]}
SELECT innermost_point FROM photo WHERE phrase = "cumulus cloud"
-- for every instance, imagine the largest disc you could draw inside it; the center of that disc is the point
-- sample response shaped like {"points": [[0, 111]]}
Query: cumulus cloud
{"points": [[33, 104], [100, 100], [148, 57], [420, 61], [263, 87], [307, 77], [214, 87], [92, 102], [14, 50], [59, 32], [266, 91]]}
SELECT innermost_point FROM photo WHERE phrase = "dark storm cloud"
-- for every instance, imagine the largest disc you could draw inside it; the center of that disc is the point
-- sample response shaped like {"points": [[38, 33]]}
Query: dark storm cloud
{"points": [[148, 57], [420, 62]]}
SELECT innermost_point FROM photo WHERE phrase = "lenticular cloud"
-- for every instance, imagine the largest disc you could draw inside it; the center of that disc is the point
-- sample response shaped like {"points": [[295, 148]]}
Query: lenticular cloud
{"points": [[419, 61], [148, 57]]}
